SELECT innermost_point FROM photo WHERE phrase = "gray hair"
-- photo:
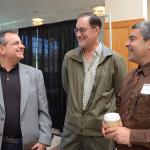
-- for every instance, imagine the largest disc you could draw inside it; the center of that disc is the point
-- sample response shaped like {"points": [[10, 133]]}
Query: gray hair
{"points": [[2, 35], [144, 29]]}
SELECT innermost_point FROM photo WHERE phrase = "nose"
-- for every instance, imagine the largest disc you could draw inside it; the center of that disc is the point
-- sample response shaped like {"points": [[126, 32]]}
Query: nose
{"points": [[78, 33], [22, 46], [127, 43]]}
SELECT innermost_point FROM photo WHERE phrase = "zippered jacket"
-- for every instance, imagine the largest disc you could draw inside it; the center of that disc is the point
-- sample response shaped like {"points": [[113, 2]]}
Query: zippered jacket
{"points": [[110, 73]]}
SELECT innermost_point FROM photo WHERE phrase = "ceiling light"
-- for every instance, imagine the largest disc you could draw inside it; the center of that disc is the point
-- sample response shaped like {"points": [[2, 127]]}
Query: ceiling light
{"points": [[37, 21], [99, 10]]}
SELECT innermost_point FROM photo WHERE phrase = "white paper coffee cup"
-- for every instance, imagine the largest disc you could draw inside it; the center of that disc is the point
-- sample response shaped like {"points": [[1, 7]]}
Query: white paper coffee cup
{"points": [[112, 119]]}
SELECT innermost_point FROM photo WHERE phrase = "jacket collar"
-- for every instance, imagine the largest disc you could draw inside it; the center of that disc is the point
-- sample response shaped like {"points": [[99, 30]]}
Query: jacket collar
{"points": [[25, 85], [77, 54], [145, 69]]}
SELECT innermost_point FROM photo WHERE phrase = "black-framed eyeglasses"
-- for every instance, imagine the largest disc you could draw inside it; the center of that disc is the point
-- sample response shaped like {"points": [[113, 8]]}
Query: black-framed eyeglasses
{"points": [[82, 30]]}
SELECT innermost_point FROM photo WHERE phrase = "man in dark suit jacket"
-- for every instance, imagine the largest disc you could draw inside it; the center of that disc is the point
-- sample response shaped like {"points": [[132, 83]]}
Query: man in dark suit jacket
{"points": [[25, 123]]}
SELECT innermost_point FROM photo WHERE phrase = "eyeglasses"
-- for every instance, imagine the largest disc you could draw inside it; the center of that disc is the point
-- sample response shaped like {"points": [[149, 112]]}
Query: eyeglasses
{"points": [[82, 30]]}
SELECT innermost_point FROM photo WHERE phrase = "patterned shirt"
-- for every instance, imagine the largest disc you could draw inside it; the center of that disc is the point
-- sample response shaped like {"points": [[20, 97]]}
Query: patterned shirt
{"points": [[90, 74]]}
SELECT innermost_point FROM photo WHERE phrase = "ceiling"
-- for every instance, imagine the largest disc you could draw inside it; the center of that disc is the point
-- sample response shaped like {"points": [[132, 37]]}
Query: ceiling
{"points": [[18, 13]]}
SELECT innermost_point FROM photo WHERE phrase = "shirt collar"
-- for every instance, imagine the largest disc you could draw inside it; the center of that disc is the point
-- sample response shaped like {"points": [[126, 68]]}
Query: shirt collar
{"points": [[145, 69], [13, 69], [97, 51]]}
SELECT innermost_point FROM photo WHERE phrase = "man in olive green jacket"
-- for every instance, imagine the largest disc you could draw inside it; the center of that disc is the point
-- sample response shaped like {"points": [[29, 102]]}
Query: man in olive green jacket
{"points": [[92, 76]]}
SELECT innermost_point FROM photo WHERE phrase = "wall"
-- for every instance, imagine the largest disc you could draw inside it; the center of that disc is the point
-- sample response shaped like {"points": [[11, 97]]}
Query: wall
{"points": [[126, 9]]}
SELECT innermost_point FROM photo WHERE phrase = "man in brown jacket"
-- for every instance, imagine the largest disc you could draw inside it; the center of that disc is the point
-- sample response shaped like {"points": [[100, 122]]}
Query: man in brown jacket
{"points": [[134, 98]]}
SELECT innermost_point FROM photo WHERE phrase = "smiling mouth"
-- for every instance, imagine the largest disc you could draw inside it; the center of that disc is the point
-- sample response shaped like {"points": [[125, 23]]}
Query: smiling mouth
{"points": [[20, 50]]}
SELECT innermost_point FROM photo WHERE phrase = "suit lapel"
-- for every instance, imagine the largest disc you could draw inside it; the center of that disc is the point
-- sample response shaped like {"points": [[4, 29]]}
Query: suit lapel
{"points": [[1, 96], [25, 83]]}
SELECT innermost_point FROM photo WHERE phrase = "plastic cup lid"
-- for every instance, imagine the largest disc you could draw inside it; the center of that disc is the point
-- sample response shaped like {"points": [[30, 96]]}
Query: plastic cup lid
{"points": [[111, 116]]}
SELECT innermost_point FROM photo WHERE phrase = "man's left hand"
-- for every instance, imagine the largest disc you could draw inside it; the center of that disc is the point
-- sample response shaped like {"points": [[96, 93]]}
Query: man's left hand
{"points": [[39, 146]]}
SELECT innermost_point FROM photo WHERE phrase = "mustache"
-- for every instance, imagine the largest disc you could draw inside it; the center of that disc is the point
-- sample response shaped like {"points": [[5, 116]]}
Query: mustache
{"points": [[130, 49]]}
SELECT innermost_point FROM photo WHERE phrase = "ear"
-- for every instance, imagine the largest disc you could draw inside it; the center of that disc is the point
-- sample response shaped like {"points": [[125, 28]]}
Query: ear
{"points": [[98, 30]]}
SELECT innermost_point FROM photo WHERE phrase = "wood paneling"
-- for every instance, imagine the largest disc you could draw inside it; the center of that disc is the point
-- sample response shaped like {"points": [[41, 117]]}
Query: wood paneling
{"points": [[120, 33]]}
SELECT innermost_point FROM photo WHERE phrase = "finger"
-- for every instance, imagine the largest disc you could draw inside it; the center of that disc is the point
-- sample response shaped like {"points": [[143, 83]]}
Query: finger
{"points": [[104, 124], [103, 131], [111, 130], [34, 147], [110, 136], [121, 125]]}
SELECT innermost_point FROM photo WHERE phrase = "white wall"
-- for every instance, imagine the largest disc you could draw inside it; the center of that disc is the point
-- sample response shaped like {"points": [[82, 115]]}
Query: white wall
{"points": [[125, 9]]}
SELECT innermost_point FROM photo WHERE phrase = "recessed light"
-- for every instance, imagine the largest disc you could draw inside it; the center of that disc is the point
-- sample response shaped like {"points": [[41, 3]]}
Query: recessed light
{"points": [[37, 21], [99, 10]]}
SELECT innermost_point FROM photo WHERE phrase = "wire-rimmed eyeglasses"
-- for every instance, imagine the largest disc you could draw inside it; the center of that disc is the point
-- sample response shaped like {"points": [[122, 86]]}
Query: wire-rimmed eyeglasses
{"points": [[82, 30]]}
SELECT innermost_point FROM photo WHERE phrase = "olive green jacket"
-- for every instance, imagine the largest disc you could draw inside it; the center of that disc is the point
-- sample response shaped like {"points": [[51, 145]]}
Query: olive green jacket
{"points": [[110, 73]]}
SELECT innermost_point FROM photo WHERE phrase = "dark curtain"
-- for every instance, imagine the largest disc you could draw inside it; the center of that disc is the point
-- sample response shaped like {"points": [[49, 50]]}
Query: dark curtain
{"points": [[45, 49]]}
